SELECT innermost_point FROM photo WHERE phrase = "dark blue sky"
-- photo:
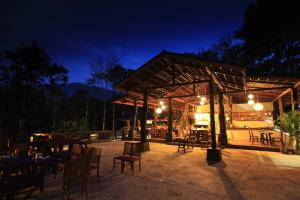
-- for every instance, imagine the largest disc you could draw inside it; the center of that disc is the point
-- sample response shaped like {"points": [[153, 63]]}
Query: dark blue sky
{"points": [[75, 32]]}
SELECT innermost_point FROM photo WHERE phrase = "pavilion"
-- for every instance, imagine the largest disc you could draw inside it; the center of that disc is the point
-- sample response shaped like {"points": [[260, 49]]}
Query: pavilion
{"points": [[180, 78]]}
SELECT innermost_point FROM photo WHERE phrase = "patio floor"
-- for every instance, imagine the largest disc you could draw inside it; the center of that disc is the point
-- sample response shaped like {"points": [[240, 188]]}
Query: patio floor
{"points": [[166, 174]]}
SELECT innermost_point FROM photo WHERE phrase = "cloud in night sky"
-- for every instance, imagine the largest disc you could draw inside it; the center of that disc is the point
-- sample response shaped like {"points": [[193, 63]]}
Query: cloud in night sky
{"points": [[75, 32]]}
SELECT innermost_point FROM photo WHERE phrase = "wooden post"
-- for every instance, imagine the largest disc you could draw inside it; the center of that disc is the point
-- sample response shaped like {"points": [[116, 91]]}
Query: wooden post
{"points": [[280, 104], [131, 137], [185, 116], [213, 154], [294, 99], [222, 121], [170, 122], [154, 116], [144, 118], [113, 121], [212, 115]]}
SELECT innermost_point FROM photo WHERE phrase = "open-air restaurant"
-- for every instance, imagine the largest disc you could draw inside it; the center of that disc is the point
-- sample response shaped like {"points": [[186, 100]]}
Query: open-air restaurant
{"points": [[176, 99]]}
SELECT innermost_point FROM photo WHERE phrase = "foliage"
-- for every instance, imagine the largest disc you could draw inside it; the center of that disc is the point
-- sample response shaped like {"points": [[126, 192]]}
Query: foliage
{"points": [[25, 73], [268, 42], [270, 33], [290, 122], [107, 71]]}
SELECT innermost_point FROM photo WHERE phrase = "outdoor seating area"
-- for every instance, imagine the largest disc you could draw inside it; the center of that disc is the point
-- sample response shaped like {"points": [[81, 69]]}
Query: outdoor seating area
{"points": [[168, 174], [24, 166]]}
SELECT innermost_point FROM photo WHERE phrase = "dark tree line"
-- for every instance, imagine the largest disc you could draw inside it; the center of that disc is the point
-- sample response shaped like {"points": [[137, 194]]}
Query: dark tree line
{"points": [[268, 43], [32, 98]]}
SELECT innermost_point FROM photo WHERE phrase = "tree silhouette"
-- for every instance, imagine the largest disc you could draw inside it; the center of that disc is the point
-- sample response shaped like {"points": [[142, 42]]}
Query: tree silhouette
{"points": [[271, 35], [24, 74], [106, 72]]}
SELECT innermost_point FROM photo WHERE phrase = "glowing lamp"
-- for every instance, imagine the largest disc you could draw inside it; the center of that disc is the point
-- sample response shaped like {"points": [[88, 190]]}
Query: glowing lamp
{"points": [[161, 103], [250, 96], [201, 103], [251, 102], [197, 116], [203, 99], [163, 107], [158, 110], [258, 106]]}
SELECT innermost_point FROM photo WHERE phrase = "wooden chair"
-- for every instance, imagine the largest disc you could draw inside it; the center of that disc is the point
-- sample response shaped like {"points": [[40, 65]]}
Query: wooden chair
{"points": [[95, 161], [253, 137], [205, 139], [184, 143], [77, 173], [131, 153]]}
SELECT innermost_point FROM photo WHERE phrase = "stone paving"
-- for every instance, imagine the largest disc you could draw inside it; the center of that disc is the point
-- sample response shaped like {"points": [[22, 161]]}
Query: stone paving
{"points": [[167, 174]]}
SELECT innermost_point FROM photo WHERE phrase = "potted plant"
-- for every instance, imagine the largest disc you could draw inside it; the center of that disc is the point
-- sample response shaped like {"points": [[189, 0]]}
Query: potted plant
{"points": [[290, 123]]}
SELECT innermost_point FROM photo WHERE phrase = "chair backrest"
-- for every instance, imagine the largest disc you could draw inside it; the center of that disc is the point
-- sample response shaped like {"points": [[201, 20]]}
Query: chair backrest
{"points": [[132, 149], [87, 155], [77, 151], [251, 132], [96, 155]]}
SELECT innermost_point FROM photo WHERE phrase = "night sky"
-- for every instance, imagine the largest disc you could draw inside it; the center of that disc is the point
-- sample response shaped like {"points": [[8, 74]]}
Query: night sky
{"points": [[75, 32]]}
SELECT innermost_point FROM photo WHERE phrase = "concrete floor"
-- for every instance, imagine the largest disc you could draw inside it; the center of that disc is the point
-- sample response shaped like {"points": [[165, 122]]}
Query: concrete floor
{"points": [[166, 174]]}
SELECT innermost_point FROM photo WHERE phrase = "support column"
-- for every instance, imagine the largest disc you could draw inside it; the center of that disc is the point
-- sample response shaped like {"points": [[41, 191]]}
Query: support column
{"points": [[212, 115], [170, 122], [280, 104], [154, 116], [213, 154], [131, 137], [294, 99], [144, 118], [222, 121]]}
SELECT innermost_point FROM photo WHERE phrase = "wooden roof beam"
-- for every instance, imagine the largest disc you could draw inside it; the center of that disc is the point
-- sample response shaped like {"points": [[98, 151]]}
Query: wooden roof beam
{"points": [[297, 84]]}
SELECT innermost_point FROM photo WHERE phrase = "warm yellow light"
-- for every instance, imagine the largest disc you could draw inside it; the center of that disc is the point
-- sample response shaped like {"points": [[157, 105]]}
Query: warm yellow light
{"points": [[203, 99], [158, 110], [201, 103], [251, 102], [227, 118], [250, 96], [258, 106], [161, 103], [163, 107], [197, 116]]}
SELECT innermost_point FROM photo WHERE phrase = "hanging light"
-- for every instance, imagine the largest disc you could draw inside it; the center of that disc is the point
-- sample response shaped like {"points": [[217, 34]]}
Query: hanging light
{"points": [[203, 99], [202, 103], [251, 102], [258, 106], [161, 103], [163, 107], [198, 95], [250, 96], [158, 110]]}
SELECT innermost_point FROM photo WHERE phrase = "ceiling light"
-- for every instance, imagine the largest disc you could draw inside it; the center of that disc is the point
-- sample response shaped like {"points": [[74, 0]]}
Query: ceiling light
{"points": [[158, 110], [163, 107], [201, 103], [251, 102], [161, 103], [203, 99], [250, 96]]}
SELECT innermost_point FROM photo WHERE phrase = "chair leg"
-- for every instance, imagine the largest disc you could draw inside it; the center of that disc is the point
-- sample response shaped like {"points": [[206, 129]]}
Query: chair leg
{"points": [[122, 166], [98, 173], [132, 166], [86, 191]]}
